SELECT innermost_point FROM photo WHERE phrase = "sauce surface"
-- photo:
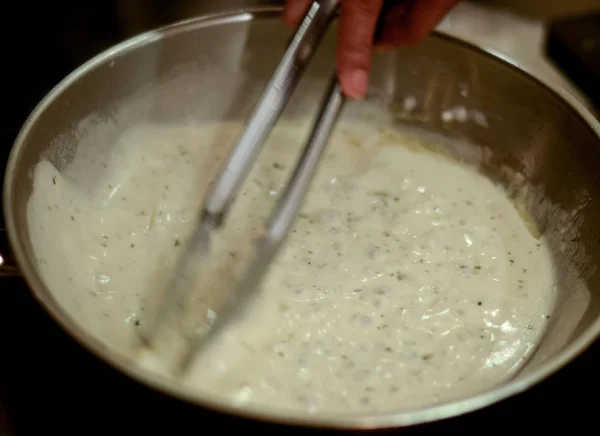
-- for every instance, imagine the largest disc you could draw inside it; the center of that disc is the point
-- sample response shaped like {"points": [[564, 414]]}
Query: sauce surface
{"points": [[407, 280]]}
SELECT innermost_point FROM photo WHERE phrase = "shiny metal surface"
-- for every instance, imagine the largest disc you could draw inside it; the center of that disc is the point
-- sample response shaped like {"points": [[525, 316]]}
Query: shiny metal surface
{"points": [[267, 111], [550, 138], [281, 219]]}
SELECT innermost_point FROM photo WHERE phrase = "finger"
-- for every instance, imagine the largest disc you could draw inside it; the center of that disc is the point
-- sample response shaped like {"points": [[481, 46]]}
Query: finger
{"points": [[408, 26], [393, 14], [357, 26], [294, 11]]}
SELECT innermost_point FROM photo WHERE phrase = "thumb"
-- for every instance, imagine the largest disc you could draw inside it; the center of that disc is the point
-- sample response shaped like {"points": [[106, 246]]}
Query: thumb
{"points": [[357, 27]]}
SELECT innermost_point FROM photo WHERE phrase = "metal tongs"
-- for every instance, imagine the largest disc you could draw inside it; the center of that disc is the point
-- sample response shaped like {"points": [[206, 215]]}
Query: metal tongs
{"points": [[223, 193]]}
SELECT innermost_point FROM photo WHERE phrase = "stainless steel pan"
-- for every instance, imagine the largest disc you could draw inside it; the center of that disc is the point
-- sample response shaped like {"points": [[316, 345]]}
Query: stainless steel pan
{"points": [[542, 133]]}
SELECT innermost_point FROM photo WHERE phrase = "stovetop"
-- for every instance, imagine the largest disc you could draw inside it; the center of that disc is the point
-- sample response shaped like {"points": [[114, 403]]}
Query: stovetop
{"points": [[48, 383]]}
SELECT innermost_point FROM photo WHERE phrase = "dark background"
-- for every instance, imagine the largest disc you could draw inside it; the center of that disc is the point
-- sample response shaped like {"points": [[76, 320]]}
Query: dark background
{"points": [[49, 384]]}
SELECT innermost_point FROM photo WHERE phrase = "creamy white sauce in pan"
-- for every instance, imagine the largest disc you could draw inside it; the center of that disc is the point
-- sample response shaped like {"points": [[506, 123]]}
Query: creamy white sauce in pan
{"points": [[408, 279]]}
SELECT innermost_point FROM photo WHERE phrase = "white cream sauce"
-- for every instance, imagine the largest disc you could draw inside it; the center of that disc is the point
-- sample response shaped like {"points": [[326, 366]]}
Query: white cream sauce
{"points": [[408, 279]]}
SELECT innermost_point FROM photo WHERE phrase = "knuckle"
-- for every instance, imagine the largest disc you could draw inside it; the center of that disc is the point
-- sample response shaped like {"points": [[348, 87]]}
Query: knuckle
{"points": [[356, 53]]}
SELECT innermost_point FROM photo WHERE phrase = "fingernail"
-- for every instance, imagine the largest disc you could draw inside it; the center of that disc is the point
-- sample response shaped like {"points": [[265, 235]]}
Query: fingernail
{"points": [[359, 82]]}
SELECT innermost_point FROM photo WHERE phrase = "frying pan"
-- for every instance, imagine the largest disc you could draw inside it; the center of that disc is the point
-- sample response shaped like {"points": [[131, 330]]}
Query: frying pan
{"points": [[213, 68]]}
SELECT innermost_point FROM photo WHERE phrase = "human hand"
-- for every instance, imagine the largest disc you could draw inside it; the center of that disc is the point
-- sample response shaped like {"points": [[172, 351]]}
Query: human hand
{"points": [[404, 23]]}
